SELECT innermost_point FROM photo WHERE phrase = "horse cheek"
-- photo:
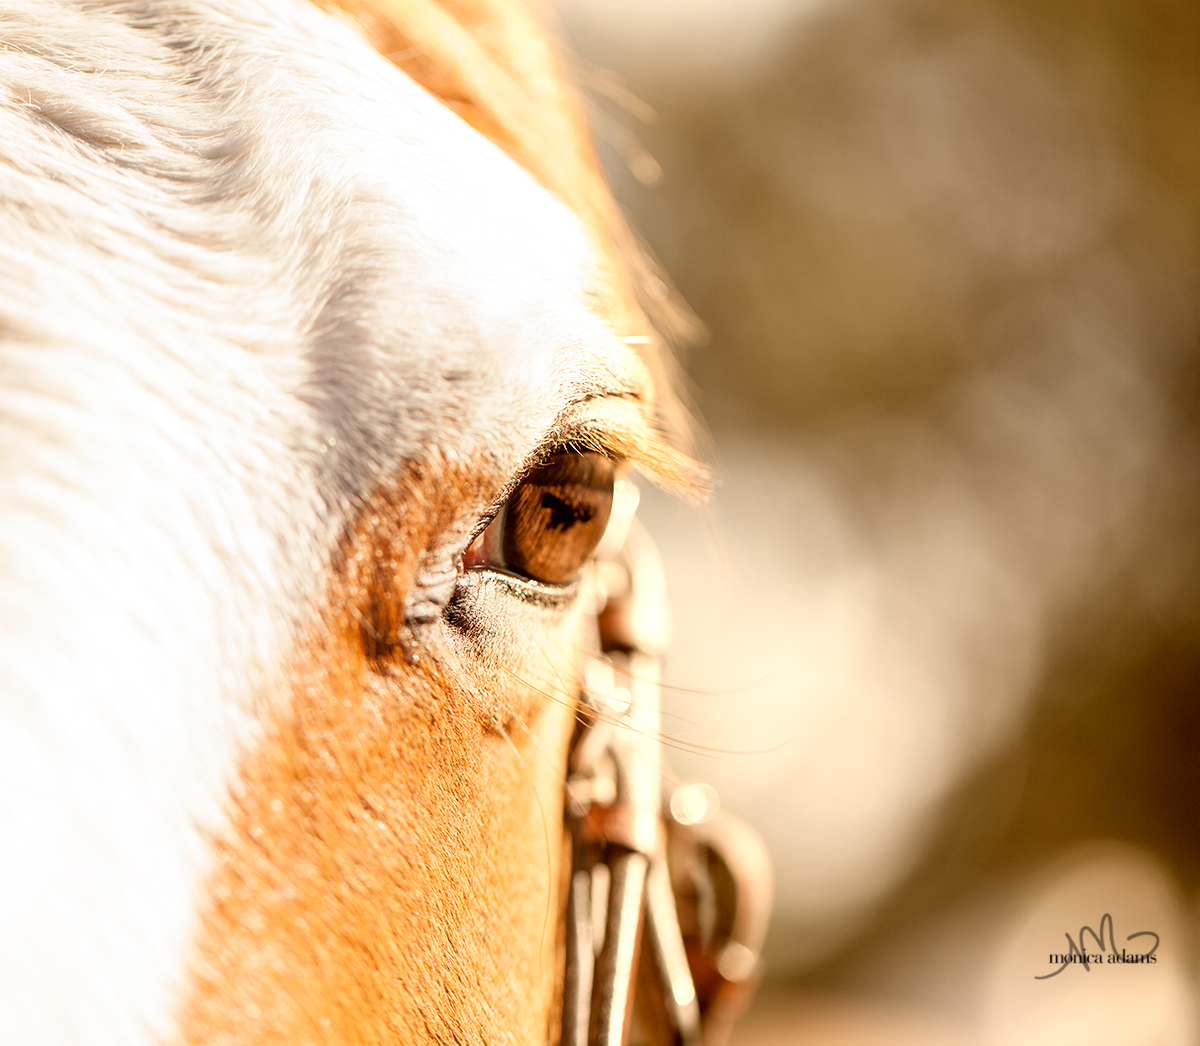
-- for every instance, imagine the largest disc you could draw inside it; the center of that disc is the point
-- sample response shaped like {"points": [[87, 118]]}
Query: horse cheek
{"points": [[392, 870]]}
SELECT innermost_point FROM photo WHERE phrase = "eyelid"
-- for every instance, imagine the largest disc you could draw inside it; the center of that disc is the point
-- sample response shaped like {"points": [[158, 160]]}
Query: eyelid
{"points": [[587, 438], [553, 519], [619, 426], [532, 463]]}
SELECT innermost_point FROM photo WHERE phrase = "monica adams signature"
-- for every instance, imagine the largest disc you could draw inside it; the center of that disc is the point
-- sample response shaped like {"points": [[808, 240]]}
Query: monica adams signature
{"points": [[1078, 954]]}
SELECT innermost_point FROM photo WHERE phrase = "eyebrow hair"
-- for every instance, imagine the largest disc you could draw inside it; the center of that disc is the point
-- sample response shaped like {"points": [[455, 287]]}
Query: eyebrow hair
{"points": [[618, 424]]}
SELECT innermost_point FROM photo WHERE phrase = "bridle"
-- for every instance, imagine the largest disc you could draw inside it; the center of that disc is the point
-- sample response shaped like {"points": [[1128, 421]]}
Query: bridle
{"points": [[666, 909]]}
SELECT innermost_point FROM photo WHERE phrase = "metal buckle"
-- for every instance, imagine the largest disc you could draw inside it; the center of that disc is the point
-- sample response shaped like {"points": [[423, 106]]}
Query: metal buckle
{"points": [[629, 966]]}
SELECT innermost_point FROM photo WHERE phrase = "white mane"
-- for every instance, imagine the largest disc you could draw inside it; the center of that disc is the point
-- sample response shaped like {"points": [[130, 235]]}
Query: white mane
{"points": [[246, 269]]}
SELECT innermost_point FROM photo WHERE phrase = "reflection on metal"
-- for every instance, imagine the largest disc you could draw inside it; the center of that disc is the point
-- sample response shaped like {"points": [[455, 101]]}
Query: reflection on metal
{"points": [[694, 803], [646, 961]]}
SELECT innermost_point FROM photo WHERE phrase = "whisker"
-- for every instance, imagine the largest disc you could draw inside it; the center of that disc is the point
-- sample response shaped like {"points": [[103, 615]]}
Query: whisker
{"points": [[559, 774], [562, 702], [729, 691], [670, 741]]}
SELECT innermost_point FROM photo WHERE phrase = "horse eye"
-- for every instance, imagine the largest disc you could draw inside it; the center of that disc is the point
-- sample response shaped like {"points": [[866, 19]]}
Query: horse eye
{"points": [[552, 522]]}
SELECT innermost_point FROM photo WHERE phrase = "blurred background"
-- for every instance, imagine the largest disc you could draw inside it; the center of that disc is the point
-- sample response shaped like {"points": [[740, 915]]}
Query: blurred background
{"points": [[941, 621]]}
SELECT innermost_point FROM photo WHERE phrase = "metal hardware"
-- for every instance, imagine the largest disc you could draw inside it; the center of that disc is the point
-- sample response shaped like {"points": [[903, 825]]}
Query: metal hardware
{"points": [[632, 968]]}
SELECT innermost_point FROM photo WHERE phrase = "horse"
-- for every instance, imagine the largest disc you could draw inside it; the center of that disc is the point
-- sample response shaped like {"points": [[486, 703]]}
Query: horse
{"points": [[322, 360]]}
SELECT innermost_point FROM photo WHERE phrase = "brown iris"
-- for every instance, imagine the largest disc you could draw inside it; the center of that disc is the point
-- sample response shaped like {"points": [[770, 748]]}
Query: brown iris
{"points": [[553, 520], [556, 517]]}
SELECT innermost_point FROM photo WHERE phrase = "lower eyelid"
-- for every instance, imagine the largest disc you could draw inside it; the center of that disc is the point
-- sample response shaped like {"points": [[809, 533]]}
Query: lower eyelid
{"points": [[474, 605]]}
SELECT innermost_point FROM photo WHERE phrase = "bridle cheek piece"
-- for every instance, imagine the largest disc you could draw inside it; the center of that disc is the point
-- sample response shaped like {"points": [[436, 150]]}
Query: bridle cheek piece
{"points": [[668, 902]]}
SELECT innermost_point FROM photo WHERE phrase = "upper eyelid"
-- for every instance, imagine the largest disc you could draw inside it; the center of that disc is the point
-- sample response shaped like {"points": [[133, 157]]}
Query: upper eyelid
{"points": [[620, 425], [613, 422], [541, 454], [581, 428], [493, 553]]}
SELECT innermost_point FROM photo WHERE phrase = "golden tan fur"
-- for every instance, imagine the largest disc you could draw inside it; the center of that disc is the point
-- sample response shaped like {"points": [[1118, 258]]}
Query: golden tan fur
{"points": [[391, 876]]}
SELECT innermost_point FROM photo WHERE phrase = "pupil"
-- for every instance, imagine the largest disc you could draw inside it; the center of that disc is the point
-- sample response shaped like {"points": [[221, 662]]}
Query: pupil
{"points": [[563, 515]]}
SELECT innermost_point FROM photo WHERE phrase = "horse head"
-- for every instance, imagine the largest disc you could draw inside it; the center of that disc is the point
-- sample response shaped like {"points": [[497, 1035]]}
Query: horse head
{"points": [[321, 368]]}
